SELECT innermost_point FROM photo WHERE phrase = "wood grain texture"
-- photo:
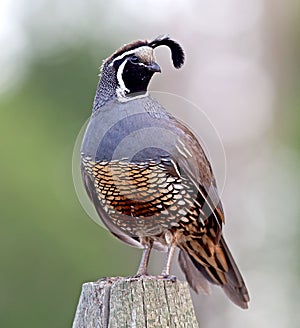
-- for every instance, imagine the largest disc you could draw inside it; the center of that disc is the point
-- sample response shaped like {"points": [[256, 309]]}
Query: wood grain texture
{"points": [[144, 302]]}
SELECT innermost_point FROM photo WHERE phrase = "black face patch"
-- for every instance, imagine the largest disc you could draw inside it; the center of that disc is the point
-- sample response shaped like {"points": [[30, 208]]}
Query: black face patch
{"points": [[118, 63], [136, 76]]}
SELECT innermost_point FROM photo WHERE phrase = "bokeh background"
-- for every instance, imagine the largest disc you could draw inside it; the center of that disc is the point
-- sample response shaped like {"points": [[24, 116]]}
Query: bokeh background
{"points": [[242, 69]]}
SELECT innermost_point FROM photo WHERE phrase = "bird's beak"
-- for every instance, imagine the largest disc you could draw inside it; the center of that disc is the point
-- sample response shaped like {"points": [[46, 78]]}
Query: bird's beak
{"points": [[154, 67]]}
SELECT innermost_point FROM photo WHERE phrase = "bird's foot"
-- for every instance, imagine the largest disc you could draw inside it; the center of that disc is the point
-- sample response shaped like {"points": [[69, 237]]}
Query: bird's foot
{"points": [[167, 277], [141, 274]]}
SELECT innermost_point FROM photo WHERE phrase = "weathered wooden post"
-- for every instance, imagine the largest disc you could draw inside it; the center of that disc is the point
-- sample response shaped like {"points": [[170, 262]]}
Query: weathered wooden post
{"points": [[141, 302]]}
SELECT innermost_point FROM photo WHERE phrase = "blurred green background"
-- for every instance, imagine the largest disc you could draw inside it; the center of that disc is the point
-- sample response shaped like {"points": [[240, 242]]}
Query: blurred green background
{"points": [[50, 55], [48, 244]]}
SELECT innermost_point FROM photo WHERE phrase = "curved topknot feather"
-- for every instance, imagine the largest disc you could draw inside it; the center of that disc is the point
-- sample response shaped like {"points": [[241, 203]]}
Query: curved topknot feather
{"points": [[163, 40], [176, 50]]}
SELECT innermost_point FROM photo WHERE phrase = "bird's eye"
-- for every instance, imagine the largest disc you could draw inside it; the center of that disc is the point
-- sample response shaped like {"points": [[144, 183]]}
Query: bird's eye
{"points": [[134, 59]]}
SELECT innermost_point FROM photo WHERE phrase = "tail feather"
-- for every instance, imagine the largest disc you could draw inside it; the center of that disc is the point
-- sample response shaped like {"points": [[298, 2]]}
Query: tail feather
{"points": [[235, 288], [217, 265], [194, 277]]}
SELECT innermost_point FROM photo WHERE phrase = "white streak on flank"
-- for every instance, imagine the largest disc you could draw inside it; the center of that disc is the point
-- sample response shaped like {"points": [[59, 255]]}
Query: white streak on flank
{"points": [[184, 147], [130, 52], [175, 167], [181, 141], [201, 220], [181, 152], [188, 152], [197, 203]]}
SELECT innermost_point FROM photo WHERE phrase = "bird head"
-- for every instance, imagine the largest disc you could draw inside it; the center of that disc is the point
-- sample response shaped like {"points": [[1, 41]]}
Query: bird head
{"points": [[130, 69]]}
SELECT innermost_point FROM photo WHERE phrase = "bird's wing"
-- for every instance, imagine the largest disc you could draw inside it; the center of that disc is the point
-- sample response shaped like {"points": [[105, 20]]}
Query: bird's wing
{"points": [[206, 256], [194, 165]]}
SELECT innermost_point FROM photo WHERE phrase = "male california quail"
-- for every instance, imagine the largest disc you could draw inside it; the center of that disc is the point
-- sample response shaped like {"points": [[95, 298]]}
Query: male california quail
{"points": [[148, 177]]}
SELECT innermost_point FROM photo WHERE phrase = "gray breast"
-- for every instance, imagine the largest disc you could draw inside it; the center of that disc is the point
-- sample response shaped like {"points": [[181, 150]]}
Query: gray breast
{"points": [[137, 130]]}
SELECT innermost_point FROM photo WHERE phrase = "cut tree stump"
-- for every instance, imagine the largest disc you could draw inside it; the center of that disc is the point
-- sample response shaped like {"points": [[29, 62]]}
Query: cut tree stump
{"points": [[143, 302]]}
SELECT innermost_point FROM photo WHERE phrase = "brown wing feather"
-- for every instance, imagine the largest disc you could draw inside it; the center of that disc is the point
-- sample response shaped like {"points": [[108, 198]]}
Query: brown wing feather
{"points": [[207, 255], [198, 170]]}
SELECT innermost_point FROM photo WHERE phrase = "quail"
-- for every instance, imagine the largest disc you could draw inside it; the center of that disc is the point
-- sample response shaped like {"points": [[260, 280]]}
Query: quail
{"points": [[148, 176]]}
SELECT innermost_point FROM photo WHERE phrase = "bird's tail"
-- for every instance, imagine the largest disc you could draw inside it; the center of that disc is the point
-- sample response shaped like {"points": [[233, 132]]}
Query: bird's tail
{"points": [[202, 261]]}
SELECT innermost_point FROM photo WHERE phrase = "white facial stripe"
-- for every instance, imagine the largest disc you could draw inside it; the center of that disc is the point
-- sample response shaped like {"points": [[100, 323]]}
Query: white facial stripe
{"points": [[122, 86], [130, 52]]}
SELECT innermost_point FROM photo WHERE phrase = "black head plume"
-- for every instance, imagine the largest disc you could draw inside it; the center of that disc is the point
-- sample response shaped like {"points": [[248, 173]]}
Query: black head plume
{"points": [[176, 50]]}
